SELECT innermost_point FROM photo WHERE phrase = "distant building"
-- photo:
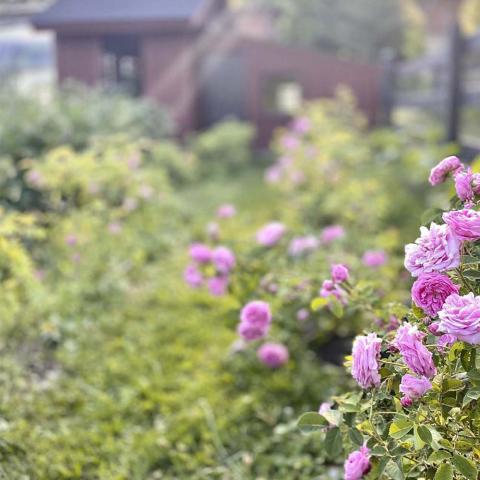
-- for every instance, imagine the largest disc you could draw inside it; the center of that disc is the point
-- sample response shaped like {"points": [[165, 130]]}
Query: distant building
{"points": [[201, 60]]}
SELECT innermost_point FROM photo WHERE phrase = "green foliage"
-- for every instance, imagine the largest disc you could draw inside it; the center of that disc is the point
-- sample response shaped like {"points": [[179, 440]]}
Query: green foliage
{"points": [[74, 116], [224, 148], [357, 29]]}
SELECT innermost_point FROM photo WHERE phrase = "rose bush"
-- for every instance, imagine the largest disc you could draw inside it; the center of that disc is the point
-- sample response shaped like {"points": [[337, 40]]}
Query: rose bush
{"points": [[417, 415]]}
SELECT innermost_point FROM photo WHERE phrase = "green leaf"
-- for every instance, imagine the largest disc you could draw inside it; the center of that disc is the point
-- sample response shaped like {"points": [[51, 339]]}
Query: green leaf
{"points": [[333, 442], [439, 456], [472, 274], [394, 470], [336, 307], [417, 440], [452, 385], [355, 436], [318, 303], [473, 394], [444, 472], [311, 421], [425, 434], [431, 215], [468, 260], [333, 417], [378, 451], [465, 467], [400, 427]]}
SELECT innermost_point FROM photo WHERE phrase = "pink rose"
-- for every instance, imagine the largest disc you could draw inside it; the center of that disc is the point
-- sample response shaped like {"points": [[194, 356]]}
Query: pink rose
{"points": [[200, 253], [223, 259], [460, 316], [339, 273], [413, 388], [409, 342], [439, 173], [430, 291], [465, 224], [217, 286], [332, 233], [193, 276], [255, 320], [303, 314], [437, 250], [357, 464], [444, 341], [366, 354], [301, 245], [271, 234], [331, 288], [274, 355], [374, 258], [463, 184], [226, 211]]}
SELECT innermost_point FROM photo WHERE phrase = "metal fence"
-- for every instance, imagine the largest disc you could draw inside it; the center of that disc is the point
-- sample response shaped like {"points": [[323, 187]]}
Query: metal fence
{"points": [[447, 85]]}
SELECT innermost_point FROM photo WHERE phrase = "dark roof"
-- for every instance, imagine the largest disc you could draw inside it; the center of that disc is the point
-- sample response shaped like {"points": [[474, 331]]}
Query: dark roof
{"points": [[64, 12]]}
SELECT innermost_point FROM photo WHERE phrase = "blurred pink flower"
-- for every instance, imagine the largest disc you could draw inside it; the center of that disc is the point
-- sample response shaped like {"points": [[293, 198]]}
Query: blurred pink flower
{"points": [[332, 233]]}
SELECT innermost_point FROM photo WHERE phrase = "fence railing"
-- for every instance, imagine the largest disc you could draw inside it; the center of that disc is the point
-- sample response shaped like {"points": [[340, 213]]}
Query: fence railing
{"points": [[446, 84]]}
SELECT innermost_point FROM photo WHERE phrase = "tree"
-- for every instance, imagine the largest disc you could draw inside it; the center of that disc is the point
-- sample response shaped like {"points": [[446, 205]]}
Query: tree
{"points": [[360, 28]]}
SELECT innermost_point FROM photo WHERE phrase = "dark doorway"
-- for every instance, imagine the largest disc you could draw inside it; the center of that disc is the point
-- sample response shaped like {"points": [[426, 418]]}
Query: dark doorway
{"points": [[223, 90], [121, 64]]}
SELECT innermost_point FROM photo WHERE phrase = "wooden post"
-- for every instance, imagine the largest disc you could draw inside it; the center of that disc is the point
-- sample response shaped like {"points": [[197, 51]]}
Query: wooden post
{"points": [[454, 97]]}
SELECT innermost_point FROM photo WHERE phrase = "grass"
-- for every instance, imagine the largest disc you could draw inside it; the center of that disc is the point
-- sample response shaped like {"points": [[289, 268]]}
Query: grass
{"points": [[146, 388]]}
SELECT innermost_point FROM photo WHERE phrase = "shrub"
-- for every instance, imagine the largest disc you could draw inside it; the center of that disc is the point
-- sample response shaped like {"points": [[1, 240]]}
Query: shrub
{"points": [[418, 413], [226, 147]]}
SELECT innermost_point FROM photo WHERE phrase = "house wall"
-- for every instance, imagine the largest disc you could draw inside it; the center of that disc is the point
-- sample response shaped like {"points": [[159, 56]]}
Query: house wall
{"points": [[319, 75], [79, 58], [169, 66]]}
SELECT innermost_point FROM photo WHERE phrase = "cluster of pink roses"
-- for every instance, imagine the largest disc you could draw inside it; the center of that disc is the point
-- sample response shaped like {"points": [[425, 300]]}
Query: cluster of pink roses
{"points": [[340, 275], [196, 274], [255, 322], [437, 251]]}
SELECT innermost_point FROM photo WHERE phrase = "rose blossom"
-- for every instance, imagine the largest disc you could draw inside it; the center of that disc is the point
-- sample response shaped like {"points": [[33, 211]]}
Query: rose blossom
{"points": [[223, 259], [366, 353], [256, 313], [255, 319], [430, 291], [465, 224], [226, 211], [437, 249], [463, 184], [301, 245], [303, 314], [200, 253], [270, 234], [439, 173], [330, 288], [193, 276], [274, 355], [446, 340], [250, 331], [301, 125], [273, 174], [339, 273], [217, 286], [460, 316], [413, 388], [332, 233], [374, 258], [414, 353], [357, 464], [476, 183]]}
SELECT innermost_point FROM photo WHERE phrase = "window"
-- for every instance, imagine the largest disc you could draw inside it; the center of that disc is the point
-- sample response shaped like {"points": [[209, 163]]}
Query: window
{"points": [[283, 96], [121, 64]]}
